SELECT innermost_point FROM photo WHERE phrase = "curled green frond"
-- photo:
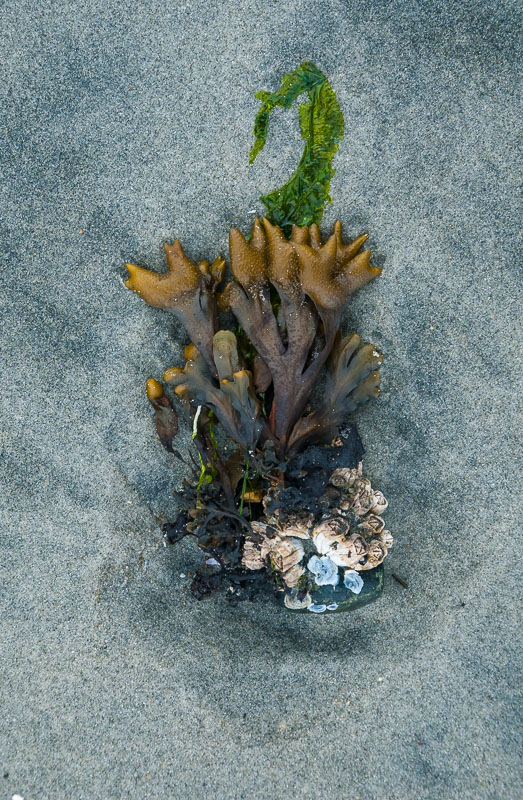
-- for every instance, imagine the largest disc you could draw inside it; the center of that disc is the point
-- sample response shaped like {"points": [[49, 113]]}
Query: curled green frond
{"points": [[302, 199]]}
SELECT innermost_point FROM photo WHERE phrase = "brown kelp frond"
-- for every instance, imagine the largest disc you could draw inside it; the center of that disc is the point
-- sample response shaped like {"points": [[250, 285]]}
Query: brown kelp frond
{"points": [[332, 271], [314, 281], [246, 405], [287, 295], [248, 259], [353, 379], [186, 289], [166, 419], [233, 399], [225, 354], [284, 268], [345, 252], [165, 290]]}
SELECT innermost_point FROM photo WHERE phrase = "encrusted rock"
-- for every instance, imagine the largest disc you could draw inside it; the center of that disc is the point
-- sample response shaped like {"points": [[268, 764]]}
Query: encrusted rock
{"points": [[310, 554]]}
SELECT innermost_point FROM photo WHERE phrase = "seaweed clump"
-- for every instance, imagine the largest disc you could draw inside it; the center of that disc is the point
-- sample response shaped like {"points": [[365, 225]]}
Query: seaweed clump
{"points": [[270, 452], [257, 383]]}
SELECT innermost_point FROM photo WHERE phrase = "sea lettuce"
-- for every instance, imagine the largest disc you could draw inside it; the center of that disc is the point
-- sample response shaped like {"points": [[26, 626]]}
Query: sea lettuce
{"points": [[302, 199]]}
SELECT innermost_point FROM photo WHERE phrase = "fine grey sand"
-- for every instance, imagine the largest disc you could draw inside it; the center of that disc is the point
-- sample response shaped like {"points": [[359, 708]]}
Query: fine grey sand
{"points": [[125, 125]]}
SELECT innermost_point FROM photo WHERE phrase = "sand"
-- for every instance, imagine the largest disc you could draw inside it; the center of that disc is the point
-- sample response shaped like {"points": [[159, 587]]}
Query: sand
{"points": [[127, 125]]}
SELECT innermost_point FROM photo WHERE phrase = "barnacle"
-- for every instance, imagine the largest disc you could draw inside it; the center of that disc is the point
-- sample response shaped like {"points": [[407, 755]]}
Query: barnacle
{"points": [[330, 546], [295, 602], [353, 581], [293, 575]]}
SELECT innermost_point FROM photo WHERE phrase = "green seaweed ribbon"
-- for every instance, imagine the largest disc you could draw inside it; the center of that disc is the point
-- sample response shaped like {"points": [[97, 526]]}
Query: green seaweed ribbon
{"points": [[301, 200]]}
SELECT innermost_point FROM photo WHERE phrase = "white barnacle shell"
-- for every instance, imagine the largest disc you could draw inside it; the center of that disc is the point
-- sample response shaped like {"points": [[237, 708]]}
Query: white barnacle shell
{"points": [[349, 552], [293, 575], [385, 537], [343, 477], [291, 601], [317, 608], [268, 544], [362, 486], [330, 530], [353, 581], [252, 557], [361, 497], [379, 503], [298, 527], [325, 571], [372, 524], [322, 544], [375, 555], [286, 553], [259, 526]]}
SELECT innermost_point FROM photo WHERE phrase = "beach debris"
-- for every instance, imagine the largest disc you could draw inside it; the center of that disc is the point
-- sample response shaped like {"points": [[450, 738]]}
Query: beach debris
{"points": [[275, 496]]}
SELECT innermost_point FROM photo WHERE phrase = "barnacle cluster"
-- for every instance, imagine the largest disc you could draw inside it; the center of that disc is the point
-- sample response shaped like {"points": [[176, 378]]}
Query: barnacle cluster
{"points": [[307, 551], [260, 506]]}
